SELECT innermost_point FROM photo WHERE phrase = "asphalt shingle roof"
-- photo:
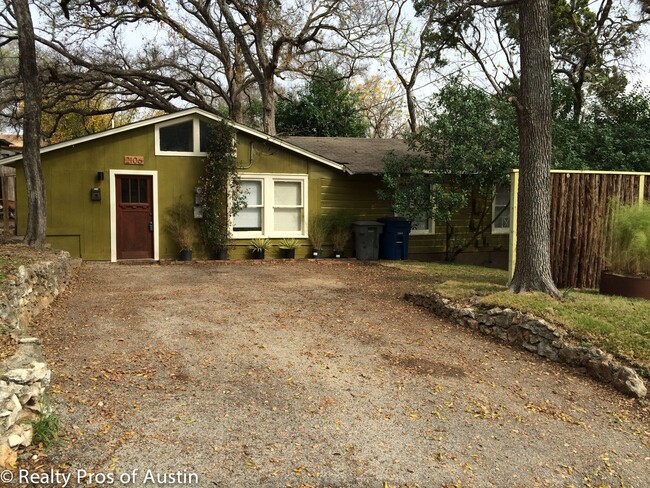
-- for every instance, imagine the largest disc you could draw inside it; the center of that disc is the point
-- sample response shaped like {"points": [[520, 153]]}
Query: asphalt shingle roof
{"points": [[360, 155]]}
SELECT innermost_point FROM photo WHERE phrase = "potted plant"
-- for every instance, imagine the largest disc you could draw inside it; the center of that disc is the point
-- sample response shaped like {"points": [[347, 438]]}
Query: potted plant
{"points": [[179, 224], [319, 227], [259, 246], [627, 263], [341, 224], [288, 248]]}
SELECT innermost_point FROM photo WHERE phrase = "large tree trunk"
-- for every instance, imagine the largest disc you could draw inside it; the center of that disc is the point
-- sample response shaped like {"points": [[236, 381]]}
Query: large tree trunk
{"points": [[533, 266], [268, 104], [36, 209], [236, 86], [410, 103]]}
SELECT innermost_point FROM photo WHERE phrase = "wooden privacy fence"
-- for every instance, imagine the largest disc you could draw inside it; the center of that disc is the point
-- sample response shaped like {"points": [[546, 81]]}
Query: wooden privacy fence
{"points": [[579, 220], [8, 200]]}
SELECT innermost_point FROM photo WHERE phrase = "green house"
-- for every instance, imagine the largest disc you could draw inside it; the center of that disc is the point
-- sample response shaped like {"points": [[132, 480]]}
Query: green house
{"points": [[107, 193]]}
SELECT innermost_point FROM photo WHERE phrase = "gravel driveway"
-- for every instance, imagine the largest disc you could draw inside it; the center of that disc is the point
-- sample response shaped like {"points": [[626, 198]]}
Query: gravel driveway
{"points": [[315, 374]]}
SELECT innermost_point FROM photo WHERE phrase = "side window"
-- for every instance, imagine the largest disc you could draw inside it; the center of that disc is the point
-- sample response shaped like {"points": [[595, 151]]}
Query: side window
{"points": [[287, 206], [185, 137], [501, 210], [204, 131], [276, 206], [250, 217], [422, 226], [177, 137]]}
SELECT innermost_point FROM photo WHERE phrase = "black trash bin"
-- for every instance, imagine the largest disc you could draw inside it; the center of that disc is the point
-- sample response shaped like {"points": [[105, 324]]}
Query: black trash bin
{"points": [[394, 242], [366, 239]]}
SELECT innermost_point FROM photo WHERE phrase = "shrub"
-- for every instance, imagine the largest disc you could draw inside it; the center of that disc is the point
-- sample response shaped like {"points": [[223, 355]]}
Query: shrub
{"points": [[221, 191], [341, 223], [260, 244], [629, 239], [319, 227], [179, 224], [46, 430], [288, 244]]}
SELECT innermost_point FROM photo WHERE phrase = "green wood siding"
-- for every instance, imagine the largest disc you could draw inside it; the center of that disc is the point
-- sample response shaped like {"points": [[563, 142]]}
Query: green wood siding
{"points": [[82, 227]]}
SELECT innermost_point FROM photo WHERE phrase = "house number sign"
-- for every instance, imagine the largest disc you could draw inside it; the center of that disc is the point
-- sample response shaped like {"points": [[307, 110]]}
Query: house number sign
{"points": [[134, 160]]}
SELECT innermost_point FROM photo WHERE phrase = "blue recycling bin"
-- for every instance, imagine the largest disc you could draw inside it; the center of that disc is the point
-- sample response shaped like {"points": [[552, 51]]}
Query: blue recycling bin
{"points": [[394, 241], [366, 239]]}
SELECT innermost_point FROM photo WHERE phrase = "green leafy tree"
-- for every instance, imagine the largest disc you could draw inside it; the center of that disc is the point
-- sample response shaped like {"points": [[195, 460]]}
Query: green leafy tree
{"points": [[327, 107], [613, 137], [460, 156], [221, 192]]}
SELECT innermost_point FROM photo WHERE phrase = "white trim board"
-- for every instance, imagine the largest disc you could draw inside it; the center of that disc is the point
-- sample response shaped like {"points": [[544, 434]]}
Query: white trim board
{"points": [[113, 205]]}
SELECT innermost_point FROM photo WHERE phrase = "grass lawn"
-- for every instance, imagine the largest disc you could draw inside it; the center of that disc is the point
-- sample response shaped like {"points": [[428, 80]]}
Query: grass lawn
{"points": [[618, 325]]}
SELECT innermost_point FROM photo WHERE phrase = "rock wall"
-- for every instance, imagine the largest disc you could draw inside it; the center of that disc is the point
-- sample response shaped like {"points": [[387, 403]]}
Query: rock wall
{"points": [[24, 376], [537, 336]]}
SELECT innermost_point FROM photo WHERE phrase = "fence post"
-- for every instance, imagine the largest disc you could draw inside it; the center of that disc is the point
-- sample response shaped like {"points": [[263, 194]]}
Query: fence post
{"points": [[5, 204], [512, 247], [641, 189]]}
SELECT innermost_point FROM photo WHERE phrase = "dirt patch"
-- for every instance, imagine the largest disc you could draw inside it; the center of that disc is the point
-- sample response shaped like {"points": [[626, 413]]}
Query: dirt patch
{"points": [[316, 374], [424, 366]]}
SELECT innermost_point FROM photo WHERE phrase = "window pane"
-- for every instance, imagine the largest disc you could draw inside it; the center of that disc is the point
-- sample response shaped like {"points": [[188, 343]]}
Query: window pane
{"points": [[253, 192], [421, 224], [143, 191], [502, 207], [125, 190], [177, 137], [288, 219], [288, 193], [134, 191], [248, 219], [204, 130], [502, 199], [503, 221]]}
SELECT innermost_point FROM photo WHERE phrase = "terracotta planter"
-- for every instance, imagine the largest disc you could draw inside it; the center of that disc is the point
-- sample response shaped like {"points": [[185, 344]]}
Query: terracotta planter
{"points": [[625, 286]]}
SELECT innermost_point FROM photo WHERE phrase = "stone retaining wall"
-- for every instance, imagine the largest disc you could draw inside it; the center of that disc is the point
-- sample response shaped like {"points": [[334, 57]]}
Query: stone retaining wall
{"points": [[537, 336], [24, 376]]}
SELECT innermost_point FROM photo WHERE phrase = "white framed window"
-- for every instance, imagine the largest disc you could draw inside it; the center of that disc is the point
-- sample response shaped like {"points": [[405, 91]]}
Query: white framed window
{"points": [[501, 210], [276, 206], [423, 226], [186, 136], [250, 218]]}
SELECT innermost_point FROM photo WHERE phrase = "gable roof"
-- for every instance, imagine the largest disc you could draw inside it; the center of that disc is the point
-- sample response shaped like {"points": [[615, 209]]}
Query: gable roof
{"points": [[184, 113], [359, 155]]}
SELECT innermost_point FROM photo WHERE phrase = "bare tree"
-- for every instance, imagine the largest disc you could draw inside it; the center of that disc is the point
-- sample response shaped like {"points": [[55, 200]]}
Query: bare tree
{"points": [[192, 60], [36, 204], [215, 50], [382, 104], [408, 52], [277, 37]]}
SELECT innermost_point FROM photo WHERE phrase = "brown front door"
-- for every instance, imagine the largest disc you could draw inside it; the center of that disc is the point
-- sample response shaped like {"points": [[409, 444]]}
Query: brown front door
{"points": [[134, 196]]}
